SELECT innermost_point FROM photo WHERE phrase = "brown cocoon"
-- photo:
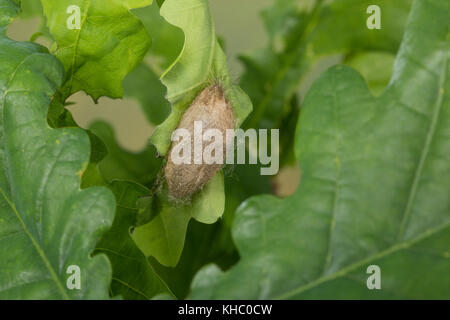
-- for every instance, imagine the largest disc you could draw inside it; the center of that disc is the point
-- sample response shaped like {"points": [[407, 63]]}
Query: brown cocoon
{"points": [[212, 108]]}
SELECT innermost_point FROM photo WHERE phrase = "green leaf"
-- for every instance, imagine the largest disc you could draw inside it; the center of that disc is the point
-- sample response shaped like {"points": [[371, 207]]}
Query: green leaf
{"points": [[374, 188], [46, 222], [196, 59], [133, 277], [213, 243], [342, 27], [163, 237], [167, 40], [301, 35], [205, 243], [110, 43]]}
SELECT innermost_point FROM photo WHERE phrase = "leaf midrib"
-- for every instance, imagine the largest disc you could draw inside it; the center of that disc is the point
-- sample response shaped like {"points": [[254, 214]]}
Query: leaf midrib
{"points": [[337, 187], [351, 267], [132, 288], [426, 149]]}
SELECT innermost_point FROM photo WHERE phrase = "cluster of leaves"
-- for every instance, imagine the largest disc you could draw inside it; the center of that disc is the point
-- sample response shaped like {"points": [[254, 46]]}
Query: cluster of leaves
{"points": [[300, 35], [375, 169]]}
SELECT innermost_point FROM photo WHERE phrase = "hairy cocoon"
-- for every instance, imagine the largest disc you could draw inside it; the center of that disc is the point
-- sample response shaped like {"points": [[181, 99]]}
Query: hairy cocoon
{"points": [[212, 108]]}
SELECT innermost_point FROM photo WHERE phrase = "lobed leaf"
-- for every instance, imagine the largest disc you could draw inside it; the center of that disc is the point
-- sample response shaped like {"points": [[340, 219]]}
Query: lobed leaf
{"points": [[374, 188], [110, 43], [46, 222]]}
